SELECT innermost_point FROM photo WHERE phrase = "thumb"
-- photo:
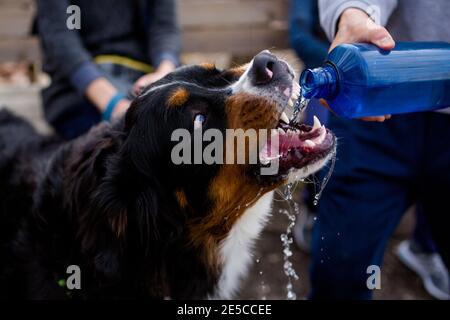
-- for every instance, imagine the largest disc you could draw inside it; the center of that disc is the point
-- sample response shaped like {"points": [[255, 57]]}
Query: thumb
{"points": [[380, 37]]}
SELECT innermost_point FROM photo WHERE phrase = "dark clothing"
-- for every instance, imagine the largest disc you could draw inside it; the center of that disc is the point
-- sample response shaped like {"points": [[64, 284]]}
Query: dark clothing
{"points": [[382, 169], [144, 30], [306, 37], [422, 237]]}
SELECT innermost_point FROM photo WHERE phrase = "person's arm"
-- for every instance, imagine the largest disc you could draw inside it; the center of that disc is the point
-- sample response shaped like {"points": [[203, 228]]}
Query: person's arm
{"points": [[330, 12], [348, 21], [65, 50], [303, 20], [164, 33], [163, 41]]}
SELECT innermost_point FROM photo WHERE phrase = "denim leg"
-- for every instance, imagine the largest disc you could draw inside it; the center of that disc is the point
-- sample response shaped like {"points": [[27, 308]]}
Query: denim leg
{"points": [[435, 183], [372, 186], [422, 233], [78, 122]]}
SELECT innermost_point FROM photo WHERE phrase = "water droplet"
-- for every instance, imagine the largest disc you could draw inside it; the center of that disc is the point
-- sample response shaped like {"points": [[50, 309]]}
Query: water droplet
{"points": [[287, 252], [299, 106], [325, 179], [287, 240]]}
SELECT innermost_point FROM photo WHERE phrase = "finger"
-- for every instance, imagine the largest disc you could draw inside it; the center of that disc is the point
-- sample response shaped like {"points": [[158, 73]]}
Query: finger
{"points": [[374, 119], [137, 88], [380, 37]]}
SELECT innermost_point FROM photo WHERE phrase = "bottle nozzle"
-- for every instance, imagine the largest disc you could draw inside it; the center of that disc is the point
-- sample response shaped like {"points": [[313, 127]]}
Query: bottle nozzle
{"points": [[319, 82]]}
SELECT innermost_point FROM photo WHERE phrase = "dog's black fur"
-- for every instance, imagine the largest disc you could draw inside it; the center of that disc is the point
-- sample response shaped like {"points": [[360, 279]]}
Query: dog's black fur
{"points": [[61, 208], [113, 203], [104, 202]]}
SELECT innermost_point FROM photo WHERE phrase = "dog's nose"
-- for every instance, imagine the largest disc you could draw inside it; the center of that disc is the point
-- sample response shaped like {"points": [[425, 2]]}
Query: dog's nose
{"points": [[264, 67]]}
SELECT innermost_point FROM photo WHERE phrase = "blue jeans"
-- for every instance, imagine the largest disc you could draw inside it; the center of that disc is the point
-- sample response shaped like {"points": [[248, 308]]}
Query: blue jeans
{"points": [[381, 170]]}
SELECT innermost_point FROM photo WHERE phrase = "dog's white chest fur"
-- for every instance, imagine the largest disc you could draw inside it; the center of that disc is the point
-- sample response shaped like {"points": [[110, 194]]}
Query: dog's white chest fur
{"points": [[235, 250]]}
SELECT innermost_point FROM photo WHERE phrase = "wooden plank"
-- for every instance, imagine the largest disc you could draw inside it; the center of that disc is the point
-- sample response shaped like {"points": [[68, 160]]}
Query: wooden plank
{"points": [[16, 17], [15, 22], [239, 27], [232, 26], [233, 13], [16, 3], [17, 49], [236, 42]]}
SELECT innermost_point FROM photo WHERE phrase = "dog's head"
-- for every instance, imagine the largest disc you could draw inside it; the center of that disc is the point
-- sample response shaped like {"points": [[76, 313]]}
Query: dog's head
{"points": [[207, 101], [174, 177]]}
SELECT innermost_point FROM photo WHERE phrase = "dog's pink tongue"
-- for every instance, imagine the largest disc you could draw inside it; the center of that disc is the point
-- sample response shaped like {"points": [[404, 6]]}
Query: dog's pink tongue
{"points": [[282, 141]]}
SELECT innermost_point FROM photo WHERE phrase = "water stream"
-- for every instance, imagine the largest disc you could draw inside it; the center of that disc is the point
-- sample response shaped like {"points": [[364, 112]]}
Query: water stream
{"points": [[294, 210]]}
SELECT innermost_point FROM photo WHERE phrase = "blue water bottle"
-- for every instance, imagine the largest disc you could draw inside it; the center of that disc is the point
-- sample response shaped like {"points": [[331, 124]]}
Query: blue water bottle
{"points": [[360, 80]]}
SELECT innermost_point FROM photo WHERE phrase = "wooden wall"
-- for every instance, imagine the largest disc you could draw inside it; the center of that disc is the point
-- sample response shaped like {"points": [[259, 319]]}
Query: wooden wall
{"points": [[233, 26], [237, 27]]}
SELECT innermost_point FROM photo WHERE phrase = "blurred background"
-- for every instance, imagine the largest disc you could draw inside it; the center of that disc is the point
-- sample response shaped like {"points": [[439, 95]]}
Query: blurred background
{"points": [[227, 33]]}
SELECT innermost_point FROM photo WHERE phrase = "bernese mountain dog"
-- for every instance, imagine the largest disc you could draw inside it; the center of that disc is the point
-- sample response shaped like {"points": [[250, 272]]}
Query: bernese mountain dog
{"points": [[137, 225]]}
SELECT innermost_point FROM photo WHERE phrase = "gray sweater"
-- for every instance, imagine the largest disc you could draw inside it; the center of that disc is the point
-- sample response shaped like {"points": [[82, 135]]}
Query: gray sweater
{"points": [[144, 30], [406, 20]]}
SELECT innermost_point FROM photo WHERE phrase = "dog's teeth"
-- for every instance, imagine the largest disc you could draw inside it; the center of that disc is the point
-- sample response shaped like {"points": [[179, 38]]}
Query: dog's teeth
{"points": [[310, 143], [274, 132], [295, 94], [317, 124], [291, 103], [284, 117]]}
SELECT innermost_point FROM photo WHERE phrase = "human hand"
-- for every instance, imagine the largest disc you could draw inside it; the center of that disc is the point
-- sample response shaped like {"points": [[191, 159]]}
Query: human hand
{"points": [[356, 26], [163, 69], [100, 92], [120, 108]]}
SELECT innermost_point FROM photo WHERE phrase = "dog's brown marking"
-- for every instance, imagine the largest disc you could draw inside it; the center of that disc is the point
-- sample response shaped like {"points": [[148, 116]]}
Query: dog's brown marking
{"points": [[233, 190], [246, 111], [239, 71], [119, 223], [231, 193], [181, 198], [208, 66], [178, 97]]}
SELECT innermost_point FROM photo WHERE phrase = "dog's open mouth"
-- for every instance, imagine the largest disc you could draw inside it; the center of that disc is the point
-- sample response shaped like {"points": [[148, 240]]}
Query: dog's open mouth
{"points": [[295, 145], [289, 145]]}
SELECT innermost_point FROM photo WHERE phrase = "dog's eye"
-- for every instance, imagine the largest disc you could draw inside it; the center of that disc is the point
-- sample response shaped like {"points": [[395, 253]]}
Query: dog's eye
{"points": [[199, 120]]}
